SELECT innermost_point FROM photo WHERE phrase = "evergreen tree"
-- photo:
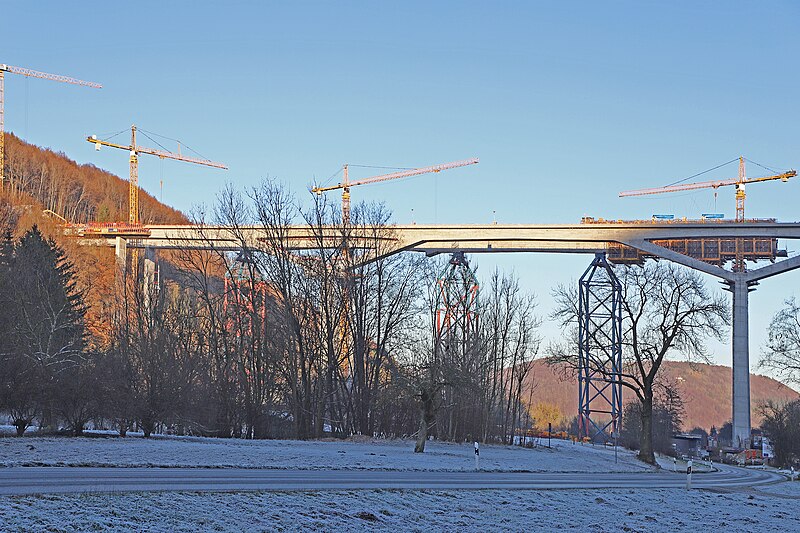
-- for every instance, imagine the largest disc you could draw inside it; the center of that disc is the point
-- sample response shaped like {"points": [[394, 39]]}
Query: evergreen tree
{"points": [[49, 328], [43, 318]]}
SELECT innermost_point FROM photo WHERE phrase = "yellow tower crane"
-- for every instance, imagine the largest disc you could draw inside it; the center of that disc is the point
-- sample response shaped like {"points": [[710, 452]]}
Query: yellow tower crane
{"points": [[30, 74], [346, 183], [134, 150], [739, 182]]}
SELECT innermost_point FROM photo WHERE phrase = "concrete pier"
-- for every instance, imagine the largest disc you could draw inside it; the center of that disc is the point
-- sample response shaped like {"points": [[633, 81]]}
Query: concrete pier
{"points": [[741, 362]]}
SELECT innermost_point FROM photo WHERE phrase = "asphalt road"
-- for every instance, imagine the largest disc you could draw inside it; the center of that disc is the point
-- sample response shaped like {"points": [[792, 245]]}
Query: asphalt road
{"points": [[48, 480]]}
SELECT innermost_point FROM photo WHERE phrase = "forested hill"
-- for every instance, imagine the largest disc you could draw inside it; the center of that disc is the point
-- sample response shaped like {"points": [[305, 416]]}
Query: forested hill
{"points": [[705, 390], [37, 179], [79, 193]]}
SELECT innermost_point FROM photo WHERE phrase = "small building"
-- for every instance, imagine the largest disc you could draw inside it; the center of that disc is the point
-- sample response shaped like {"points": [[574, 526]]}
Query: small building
{"points": [[688, 444], [713, 438]]}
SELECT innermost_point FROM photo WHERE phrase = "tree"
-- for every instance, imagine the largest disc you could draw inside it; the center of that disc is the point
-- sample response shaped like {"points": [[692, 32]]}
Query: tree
{"points": [[726, 434], [782, 352], [49, 322], [44, 323], [545, 414], [668, 412], [379, 306], [666, 309], [782, 425], [78, 393]]}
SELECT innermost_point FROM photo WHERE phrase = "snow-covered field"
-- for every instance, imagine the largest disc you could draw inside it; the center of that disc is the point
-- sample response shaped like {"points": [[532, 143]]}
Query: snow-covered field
{"points": [[487, 510], [379, 454], [768, 508]]}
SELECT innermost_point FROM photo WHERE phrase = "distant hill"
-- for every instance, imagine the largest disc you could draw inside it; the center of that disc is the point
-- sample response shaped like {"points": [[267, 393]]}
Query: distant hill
{"points": [[705, 389]]}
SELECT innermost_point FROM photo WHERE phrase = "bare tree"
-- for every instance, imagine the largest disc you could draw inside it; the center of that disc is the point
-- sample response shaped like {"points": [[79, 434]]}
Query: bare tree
{"points": [[666, 309], [297, 313], [510, 332], [381, 299], [782, 352]]}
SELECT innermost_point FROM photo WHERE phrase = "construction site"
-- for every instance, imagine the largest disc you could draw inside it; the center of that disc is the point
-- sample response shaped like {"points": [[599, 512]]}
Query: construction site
{"points": [[709, 244], [502, 298]]}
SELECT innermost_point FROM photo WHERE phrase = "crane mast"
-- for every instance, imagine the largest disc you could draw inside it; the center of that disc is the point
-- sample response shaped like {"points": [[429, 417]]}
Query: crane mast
{"points": [[346, 183], [133, 186], [30, 74]]}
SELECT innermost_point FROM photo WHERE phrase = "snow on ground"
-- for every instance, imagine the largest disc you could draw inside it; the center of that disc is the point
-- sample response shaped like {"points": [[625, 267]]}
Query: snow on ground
{"points": [[786, 491], [377, 454], [769, 508], [392, 510]]}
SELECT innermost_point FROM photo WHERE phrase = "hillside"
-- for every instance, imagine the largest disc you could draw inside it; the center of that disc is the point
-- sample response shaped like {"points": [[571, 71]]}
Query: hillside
{"points": [[37, 179], [705, 389]]}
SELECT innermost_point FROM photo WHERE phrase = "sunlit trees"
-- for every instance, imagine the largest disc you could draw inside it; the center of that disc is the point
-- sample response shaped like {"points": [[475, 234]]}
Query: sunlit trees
{"points": [[545, 415]]}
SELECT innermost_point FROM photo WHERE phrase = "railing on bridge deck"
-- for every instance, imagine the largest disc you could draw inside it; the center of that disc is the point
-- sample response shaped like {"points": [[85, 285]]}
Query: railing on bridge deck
{"points": [[107, 229]]}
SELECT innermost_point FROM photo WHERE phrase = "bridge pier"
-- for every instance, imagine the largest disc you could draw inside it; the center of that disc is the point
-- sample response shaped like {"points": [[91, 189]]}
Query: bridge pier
{"points": [[740, 349], [121, 251], [740, 284]]}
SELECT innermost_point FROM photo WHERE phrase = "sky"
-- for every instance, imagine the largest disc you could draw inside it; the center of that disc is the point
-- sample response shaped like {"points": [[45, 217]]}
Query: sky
{"points": [[565, 104]]}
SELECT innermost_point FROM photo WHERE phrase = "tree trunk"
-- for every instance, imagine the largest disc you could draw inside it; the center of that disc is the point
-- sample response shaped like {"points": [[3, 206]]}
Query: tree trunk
{"points": [[21, 426], [646, 439], [426, 419], [148, 425]]}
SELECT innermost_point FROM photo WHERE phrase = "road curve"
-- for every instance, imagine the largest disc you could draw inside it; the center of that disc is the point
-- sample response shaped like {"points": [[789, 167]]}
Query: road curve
{"points": [[50, 480]]}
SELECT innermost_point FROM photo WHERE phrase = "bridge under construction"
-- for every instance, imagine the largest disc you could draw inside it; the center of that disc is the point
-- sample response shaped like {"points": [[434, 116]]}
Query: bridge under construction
{"points": [[705, 246]]}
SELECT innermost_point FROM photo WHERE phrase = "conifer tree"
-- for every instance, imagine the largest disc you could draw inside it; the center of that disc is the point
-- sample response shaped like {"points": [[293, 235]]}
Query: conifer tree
{"points": [[49, 325], [42, 315]]}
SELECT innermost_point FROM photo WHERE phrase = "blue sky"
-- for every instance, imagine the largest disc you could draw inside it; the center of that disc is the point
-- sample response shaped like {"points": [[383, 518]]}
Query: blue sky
{"points": [[566, 104]]}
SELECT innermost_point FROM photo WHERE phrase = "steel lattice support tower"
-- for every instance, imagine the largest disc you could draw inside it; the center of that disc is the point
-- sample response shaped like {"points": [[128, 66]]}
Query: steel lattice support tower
{"points": [[600, 351], [457, 305], [457, 347]]}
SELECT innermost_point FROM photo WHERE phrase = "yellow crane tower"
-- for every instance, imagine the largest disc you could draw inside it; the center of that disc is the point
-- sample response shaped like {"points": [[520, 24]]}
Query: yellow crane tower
{"points": [[134, 150], [30, 74], [740, 181], [346, 183]]}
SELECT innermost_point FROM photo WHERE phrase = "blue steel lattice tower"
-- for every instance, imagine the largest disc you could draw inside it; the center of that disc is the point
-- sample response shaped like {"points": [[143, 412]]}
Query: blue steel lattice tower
{"points": [[600, 352]]}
